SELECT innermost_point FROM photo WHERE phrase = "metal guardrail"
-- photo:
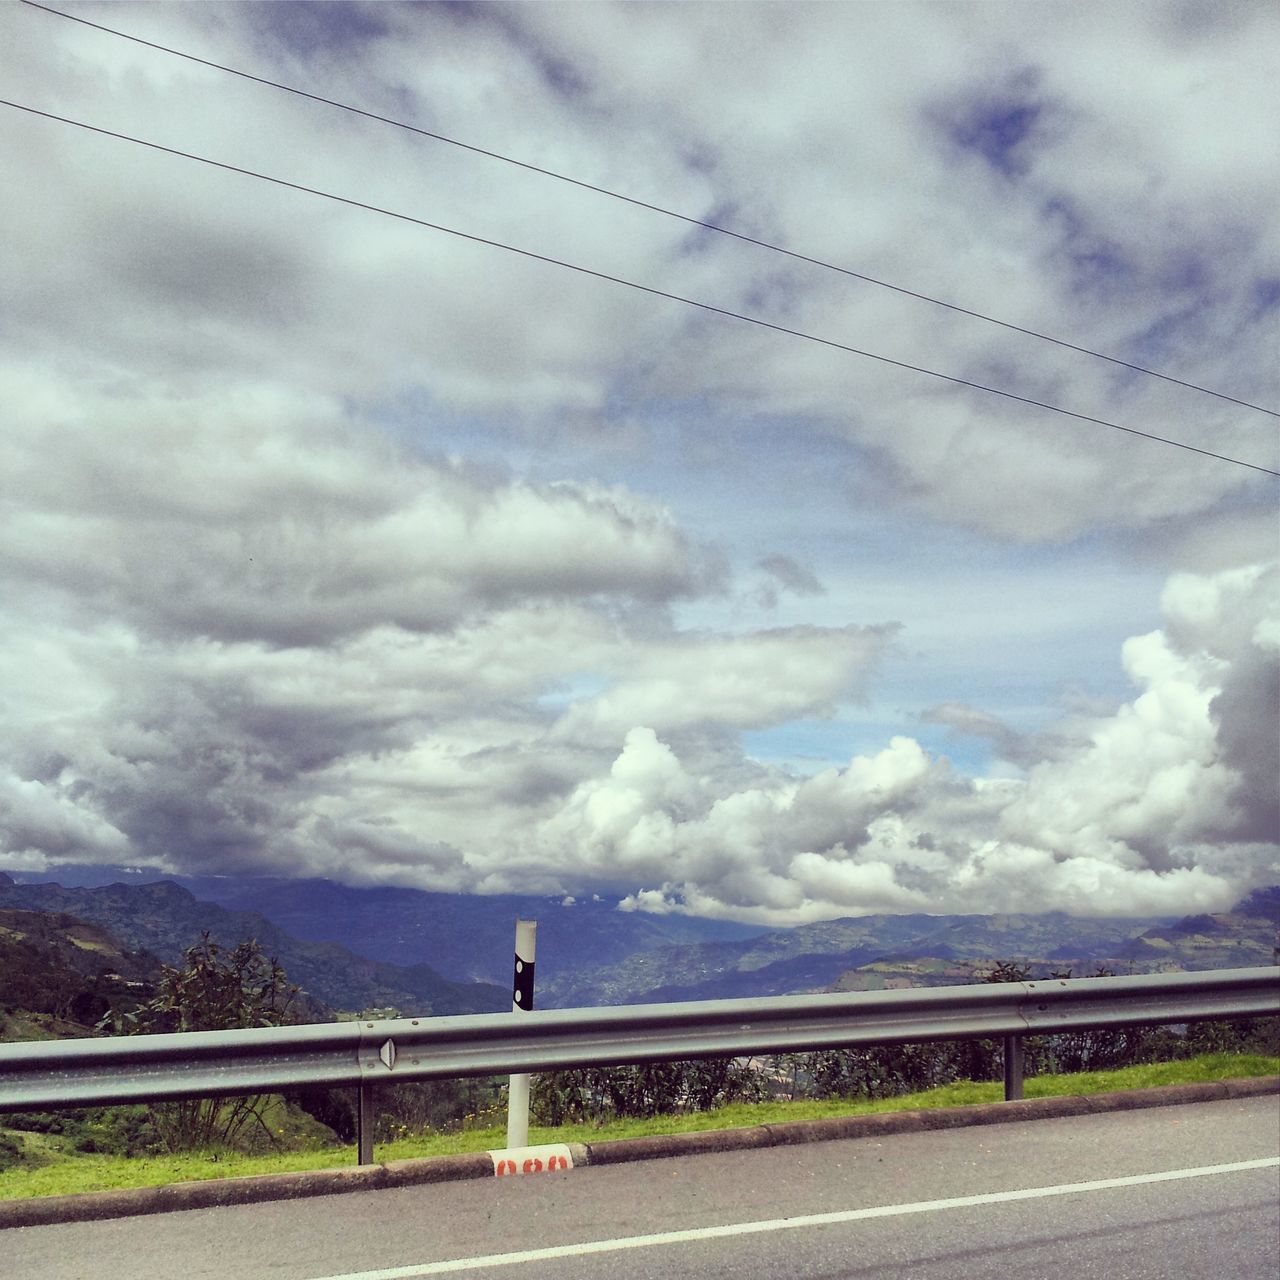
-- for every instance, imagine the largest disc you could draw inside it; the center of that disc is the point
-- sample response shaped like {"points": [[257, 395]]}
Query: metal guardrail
{"points": [[38, 1075]]}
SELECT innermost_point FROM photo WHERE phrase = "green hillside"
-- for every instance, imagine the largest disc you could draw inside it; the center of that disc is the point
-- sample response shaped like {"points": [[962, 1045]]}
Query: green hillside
{"points": [[165, 919], [59, 975]]}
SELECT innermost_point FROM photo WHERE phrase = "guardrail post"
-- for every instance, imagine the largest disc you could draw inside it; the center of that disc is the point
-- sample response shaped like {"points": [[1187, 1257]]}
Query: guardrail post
{"points": [[1013, 1063], [364, 1124]]}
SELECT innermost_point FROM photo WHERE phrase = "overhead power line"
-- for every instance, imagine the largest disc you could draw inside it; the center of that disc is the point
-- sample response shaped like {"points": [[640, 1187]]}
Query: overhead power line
{"points": [[631, 284], [657, 208]]}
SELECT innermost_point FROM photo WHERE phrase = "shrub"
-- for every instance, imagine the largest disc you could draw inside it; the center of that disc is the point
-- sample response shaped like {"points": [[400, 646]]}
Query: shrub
{"points": [[215, 990], [11, 1152]]}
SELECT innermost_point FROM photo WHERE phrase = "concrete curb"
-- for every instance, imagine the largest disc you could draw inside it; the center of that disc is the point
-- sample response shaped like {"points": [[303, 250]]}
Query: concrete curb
{"points": [[97, 1205]]}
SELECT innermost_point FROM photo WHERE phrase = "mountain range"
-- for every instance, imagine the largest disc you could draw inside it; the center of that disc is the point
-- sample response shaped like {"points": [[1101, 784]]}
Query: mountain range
{"points": [[164, 918], [468, 937], [873, 952], [355, 948]]}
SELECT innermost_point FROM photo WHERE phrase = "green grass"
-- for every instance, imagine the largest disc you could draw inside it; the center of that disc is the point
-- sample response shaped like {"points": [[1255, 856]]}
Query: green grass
{"points": [[58, 1171]]}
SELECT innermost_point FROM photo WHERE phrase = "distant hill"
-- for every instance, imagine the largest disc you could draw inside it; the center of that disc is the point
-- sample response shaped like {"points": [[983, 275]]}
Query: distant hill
{"points": [[1240, 938], [59, 975], [78, 945], [589, 953], [921, 949], [1245, 935], [165, 919], [874, 952], [1261, 904], [465, 936]]}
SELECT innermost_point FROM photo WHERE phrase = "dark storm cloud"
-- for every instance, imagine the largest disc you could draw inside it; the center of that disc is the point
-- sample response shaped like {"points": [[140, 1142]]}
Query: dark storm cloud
{"points": [[1246, 714], [195, 271]]}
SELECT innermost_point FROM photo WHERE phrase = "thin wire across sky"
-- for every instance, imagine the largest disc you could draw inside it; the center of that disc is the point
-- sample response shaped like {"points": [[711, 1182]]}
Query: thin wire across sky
{"points": [[653, 207], [632, 284]]}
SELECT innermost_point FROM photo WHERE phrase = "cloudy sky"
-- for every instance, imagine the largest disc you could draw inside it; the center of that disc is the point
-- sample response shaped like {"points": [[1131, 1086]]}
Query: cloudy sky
{"points": [[334, 544]]}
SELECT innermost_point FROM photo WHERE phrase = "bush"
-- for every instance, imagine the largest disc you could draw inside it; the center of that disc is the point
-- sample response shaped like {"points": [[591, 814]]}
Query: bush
{"points": [[656, 1088], [1244, 1035], [332, 1108], [11, 1152], [215, 990], [39, 1121], [123, 1131]]}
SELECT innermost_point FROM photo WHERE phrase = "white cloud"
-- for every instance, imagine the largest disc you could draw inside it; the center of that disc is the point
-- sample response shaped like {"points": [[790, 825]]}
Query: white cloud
{"points": [[332, 544], [254, 517], [1142, 810], [740, 682]]}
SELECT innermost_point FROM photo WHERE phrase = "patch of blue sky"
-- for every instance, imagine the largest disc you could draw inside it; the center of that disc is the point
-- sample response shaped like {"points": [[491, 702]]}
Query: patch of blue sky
{"points": [[1018, 636], [1094, 265], [692, 455], [1010, 629], [575, 687], [1027, 683], [997, 126], [418, 420], [559, 74], [806, 747]]}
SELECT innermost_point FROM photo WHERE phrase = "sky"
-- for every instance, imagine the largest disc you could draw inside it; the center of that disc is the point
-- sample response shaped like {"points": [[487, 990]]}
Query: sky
{"points": [[334, 544]]}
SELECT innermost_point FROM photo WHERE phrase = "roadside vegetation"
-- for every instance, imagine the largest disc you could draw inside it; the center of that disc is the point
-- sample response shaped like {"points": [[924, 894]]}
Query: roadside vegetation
{"points": [[47, 1164], [56, 1153]]}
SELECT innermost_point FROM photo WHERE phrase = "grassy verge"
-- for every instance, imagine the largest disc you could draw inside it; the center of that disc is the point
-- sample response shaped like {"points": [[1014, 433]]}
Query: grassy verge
{"points": [[63, 1172]]}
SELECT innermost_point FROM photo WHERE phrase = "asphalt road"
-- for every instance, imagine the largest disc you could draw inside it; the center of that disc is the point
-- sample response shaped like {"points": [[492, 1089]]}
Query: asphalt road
{"points": [[1186, 1192]]}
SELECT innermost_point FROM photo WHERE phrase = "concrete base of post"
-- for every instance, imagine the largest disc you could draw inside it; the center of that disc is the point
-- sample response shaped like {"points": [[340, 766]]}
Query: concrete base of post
{"points": [[548, 1159]]}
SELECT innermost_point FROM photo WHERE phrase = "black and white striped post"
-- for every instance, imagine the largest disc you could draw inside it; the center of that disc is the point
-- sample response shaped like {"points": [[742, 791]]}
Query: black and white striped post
{"points": [[521, 1002]]}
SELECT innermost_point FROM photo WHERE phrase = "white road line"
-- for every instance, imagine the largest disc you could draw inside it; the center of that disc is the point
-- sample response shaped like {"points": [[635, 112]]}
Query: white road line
{"points": [[453, 1265]]}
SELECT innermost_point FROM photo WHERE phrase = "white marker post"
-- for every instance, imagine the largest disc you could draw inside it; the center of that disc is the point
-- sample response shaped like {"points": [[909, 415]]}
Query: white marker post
{"points": [[521, 1002]]}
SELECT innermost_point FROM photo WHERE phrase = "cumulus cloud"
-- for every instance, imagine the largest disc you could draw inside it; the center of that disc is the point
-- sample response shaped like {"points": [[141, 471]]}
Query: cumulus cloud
{"points": [[253, 517], [739, 682], [1150, 806], [260, 640]]}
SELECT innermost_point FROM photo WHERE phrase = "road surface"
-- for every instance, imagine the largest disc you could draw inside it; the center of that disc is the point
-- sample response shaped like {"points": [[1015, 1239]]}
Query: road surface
{"points": [[1186, 1192]]}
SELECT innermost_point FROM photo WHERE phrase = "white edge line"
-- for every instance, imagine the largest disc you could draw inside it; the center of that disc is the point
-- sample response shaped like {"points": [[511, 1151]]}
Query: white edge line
{"points": [[484, 1261]]}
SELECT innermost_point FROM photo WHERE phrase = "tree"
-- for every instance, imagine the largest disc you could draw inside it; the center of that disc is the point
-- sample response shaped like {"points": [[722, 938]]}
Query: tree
{"points": [[214, 990]]}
